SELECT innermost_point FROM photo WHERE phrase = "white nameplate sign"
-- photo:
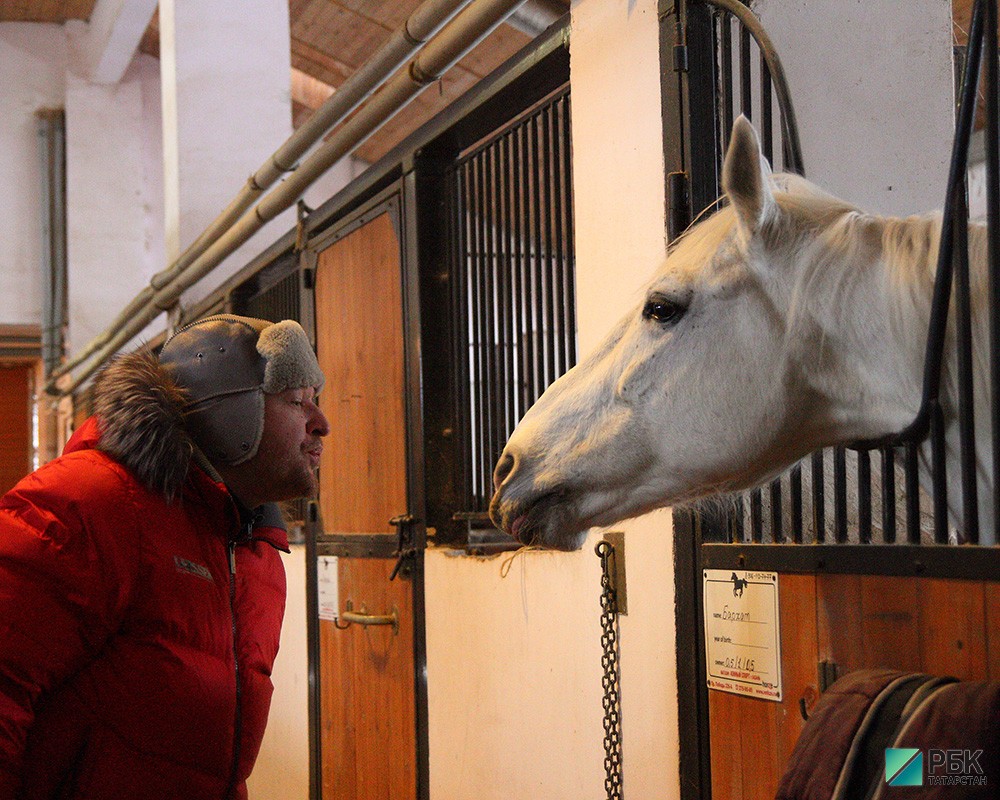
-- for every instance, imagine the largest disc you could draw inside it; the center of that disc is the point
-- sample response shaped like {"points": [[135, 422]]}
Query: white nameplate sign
{"points": [[327, 585], [742, 635]]}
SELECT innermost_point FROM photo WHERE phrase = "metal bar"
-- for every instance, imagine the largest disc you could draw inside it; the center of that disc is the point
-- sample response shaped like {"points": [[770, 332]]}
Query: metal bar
{"points": [[545, 179], [423, 23], [993, 241], [570, 262], [864, 497], [537, 238], [739, 531], [819, 496], [459, 36], [839, 495], [727, 80], [777, 528], [558, 262], [493, 377], [912, 487], [510, 346], [459, 221], [746, 96], [963, 341], [795, 485], [943, 277], [767, 134], [756, 516], [939, 476], [531, 346], [481, 368], [520, 299], [888, 495], [501, 391]]}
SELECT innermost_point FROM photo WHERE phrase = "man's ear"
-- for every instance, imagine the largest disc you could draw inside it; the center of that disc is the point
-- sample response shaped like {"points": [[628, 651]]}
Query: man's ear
{"points": [[746, 179]]}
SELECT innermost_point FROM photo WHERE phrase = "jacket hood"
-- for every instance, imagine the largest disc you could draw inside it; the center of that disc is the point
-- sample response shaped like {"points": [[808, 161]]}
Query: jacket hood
{"points": [[142, 425]]}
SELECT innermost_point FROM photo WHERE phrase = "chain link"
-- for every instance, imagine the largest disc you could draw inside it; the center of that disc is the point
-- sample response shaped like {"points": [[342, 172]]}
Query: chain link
{"points": [[611, 680]]}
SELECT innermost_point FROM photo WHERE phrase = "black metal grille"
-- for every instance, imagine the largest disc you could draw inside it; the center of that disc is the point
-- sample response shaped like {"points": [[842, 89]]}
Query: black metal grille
{"points": [[275, 303], [511, 217], [871, 494]]}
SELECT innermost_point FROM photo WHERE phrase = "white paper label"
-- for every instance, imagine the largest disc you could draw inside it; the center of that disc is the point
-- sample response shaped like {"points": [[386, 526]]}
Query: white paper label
{"points": [[742, 634], [328, 587]]}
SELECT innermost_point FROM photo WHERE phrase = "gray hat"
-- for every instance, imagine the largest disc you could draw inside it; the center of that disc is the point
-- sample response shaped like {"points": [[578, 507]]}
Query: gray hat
{"points": [[225, 364]]}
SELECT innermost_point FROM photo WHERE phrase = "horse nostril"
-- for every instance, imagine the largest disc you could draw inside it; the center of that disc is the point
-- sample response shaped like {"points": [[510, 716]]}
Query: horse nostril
{"points": [[505, 466]]}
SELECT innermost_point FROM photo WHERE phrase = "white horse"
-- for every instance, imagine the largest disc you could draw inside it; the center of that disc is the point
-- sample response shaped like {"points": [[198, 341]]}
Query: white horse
{"points": [[785, 322]]}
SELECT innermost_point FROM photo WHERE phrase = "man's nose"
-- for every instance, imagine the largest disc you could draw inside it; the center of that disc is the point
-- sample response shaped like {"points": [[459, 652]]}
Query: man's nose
{"points": [[318, 423]]}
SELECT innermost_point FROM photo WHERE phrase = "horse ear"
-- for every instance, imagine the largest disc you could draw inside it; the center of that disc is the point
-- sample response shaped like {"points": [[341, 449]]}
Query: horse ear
{"points": [[746, 178]]}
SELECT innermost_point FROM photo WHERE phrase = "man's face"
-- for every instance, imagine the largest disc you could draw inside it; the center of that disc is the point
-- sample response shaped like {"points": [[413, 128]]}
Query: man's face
{"points": [[288, 456]]}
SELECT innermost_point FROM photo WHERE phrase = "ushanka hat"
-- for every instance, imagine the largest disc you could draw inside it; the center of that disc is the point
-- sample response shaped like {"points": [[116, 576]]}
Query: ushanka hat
{"points": [[225, 364]]}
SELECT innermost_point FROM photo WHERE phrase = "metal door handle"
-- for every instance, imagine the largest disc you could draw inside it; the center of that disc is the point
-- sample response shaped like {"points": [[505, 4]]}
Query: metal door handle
{"points": [[359, 617]]}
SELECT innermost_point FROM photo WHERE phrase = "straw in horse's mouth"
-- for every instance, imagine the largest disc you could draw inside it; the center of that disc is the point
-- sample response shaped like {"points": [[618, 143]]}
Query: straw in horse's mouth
{"points": [[523, 527]]}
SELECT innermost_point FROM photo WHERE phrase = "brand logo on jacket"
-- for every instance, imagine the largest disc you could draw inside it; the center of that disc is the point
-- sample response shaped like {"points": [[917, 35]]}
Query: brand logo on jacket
{"points": [[191, 568]]}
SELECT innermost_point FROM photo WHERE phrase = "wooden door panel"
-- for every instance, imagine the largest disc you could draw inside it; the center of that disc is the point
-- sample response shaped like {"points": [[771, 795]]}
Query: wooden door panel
{"points": [[15, 422], [931, 625], [367, 690], [359, 338]]}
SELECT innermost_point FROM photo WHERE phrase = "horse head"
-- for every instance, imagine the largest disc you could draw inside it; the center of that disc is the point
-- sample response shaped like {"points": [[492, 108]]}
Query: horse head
{"points": [[733, 367]]}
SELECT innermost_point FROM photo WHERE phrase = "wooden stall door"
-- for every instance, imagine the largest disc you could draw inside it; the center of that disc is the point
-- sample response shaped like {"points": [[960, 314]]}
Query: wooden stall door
{"points": [[933, 625], [367, 698], [15, 423]]}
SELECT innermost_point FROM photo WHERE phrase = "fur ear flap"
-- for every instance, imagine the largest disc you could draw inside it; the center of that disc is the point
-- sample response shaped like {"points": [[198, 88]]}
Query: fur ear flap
{"points": [[746, 179]]}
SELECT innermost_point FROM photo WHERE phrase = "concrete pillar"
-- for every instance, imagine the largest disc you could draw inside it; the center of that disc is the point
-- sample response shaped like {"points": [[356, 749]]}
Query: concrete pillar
{"points": [[114, 201], [225, 71], [32, 74]]}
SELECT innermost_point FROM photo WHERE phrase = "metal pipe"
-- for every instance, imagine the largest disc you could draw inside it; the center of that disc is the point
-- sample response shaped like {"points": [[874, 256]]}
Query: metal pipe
{"points": [[463, 33], [414, 32]]}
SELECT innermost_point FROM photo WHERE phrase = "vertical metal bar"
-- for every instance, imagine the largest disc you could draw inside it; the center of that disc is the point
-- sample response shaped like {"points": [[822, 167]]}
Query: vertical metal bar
{"points": [[728, 83], [939, 475], [485, 337], [492, 395], [795, 487], [537, 247], [504, 391], [517, 224], [864, 497], [453, 250], [738, 528], [963, 341], [766, 124], [839, 495], [756, 516], [777, 527], [819, 496], [993, 240], [558, 266], [546, 216], [888, 495], [530, 291], [746, 96], [570, 264], [912, 486]]}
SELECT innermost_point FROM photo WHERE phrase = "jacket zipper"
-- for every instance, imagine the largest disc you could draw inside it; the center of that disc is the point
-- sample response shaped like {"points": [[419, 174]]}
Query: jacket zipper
{"points": [[237, 733]]}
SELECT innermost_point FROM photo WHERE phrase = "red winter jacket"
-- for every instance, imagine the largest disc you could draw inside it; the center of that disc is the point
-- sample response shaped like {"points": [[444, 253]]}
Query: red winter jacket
{"points": [[137, 635]]}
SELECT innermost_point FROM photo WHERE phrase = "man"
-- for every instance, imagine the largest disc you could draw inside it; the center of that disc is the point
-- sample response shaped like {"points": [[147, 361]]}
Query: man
{"points": [[141, 591]]}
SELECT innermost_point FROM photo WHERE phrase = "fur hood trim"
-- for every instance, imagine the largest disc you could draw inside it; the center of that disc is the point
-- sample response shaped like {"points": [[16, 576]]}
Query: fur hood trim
{"points": [[139, 407]]}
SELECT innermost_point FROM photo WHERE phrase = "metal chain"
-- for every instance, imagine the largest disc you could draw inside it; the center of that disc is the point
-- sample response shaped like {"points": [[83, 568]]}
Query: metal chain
{"points": [[611, 680]]}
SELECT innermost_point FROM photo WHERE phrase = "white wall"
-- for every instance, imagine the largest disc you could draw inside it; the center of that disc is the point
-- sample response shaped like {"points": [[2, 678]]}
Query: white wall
{"points": [[32, 76], [873, 92], [514, 672], [282, 769]]}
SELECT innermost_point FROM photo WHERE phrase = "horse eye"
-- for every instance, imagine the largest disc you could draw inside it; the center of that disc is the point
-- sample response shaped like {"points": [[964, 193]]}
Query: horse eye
{"points": [[663, 311]]}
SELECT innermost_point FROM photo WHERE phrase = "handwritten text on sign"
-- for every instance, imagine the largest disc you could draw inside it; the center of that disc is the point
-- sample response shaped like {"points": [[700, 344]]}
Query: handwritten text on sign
{"points": [[742, 635]]}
